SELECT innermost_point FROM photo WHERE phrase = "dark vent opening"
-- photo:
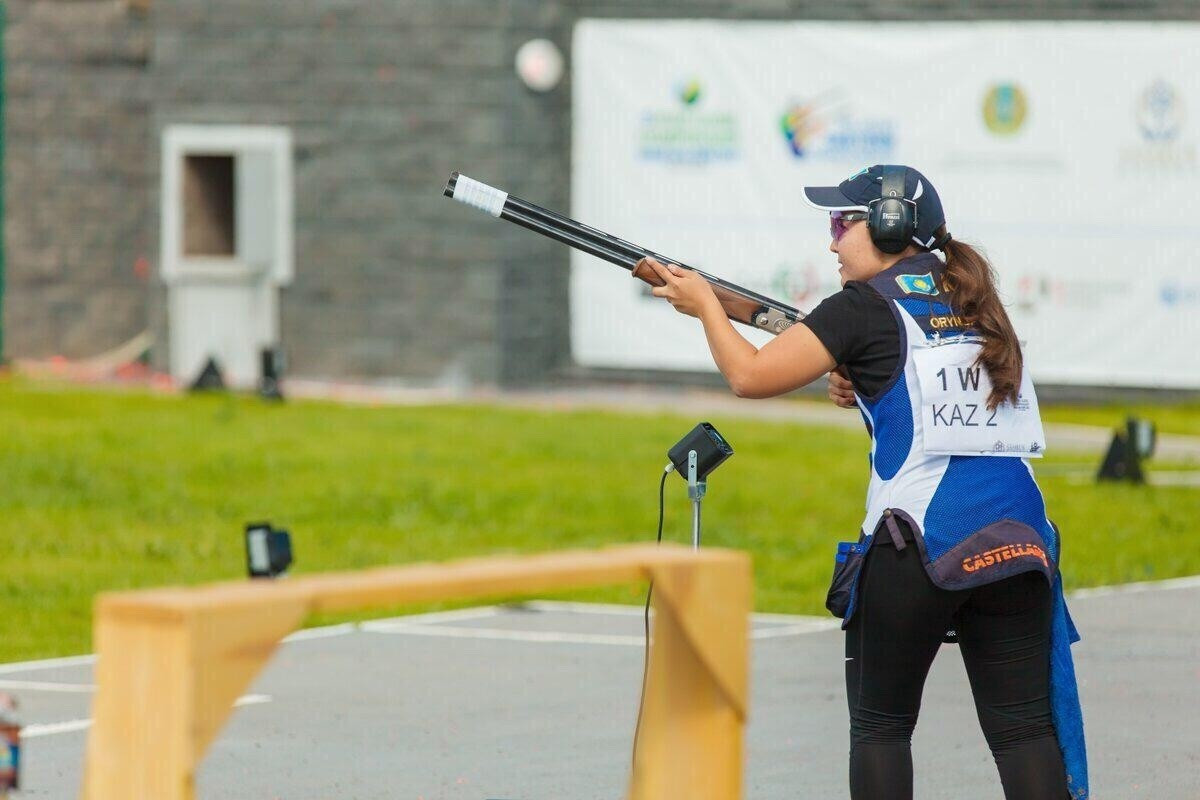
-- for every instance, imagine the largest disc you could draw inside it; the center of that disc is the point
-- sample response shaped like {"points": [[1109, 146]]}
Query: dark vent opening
{"points": [[208, 205]]}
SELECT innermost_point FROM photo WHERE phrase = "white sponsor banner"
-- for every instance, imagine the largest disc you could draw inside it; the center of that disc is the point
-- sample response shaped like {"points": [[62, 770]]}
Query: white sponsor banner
{"points": [[1067, 151]]}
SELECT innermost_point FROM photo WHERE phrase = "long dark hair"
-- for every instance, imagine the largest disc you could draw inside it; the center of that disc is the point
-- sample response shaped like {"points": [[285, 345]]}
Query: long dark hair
{"points": [[971, 281]]}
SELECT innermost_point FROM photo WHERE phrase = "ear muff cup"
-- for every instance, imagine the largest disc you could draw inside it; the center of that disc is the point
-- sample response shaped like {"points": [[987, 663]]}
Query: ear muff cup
{"points": [[892, 220], [889, 226]]}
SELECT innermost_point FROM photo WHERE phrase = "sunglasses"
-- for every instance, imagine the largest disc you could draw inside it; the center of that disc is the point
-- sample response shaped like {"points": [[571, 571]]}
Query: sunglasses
{"points": [[838, 220]]}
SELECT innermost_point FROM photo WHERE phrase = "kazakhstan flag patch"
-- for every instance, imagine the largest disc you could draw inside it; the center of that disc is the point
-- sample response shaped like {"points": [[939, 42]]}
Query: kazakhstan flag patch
{"points": [[917, 284]]}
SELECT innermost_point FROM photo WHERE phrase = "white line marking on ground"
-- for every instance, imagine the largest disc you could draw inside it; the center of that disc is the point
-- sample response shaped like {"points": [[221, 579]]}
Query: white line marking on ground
{"points": [[72, 725], [637, 611], [789, 618], [609, 609], [51, 728], [475, 612], [1189, 582], [509, 635], [392, 624], [483, 612], [563, 637], [795, 630], [323, 632], [42, 686], [46, 663], [327, 631]]}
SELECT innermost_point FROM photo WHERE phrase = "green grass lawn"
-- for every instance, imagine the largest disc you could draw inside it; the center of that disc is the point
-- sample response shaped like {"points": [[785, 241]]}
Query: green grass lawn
{"points": [[108, 490]]}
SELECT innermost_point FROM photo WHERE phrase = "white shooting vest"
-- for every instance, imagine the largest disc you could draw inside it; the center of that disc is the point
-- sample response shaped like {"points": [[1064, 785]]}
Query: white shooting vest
{"points": [[958, 473]]}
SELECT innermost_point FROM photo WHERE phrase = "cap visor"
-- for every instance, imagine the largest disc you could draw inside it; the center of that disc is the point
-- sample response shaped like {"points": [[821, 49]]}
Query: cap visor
{"points": [[830, 198]]}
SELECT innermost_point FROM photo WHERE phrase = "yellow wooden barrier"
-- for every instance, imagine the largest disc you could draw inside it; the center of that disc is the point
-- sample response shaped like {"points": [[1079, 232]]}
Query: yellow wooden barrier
{"points": [[172, 661]]}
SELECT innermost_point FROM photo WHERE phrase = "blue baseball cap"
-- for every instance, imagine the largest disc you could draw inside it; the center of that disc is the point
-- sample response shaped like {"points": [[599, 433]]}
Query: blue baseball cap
{"points": [[856, 193]]}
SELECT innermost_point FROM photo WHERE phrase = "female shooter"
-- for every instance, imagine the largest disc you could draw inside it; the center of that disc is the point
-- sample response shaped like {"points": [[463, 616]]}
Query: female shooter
{"points": [[955, 543]]}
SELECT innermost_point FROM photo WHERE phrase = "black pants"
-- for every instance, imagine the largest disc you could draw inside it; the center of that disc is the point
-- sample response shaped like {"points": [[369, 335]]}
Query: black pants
{"points": [[1004, 634]]}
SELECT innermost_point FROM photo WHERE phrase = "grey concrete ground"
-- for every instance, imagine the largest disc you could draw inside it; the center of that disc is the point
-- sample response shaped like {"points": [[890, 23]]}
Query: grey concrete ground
{"points": [[538, 703]]}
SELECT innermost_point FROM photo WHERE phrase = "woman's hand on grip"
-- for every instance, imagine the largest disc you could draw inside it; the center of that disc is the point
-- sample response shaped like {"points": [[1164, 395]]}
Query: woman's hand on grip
{"points": [[684, 289], [841, 391]]}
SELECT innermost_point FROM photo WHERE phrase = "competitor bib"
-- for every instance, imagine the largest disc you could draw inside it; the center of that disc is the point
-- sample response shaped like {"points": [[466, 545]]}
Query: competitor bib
{"points": [[956, 420]]}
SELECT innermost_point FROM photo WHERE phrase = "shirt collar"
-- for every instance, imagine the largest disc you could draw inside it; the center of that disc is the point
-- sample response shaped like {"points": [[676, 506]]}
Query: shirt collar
{"points": [[919, 264]]}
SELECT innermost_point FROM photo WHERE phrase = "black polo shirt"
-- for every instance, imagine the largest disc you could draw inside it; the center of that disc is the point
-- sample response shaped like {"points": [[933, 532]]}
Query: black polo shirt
{"points": [[857, 327]]}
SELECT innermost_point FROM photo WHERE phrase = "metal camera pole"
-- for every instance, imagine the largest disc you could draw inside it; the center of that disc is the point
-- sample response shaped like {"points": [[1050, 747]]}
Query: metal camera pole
{"points": [[696, 493]]}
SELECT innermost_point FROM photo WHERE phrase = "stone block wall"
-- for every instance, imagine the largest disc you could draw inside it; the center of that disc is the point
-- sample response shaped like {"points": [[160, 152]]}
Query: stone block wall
{"points": [[76, 166]]}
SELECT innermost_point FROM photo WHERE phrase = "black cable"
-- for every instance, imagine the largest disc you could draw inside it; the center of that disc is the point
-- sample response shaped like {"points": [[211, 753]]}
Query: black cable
{"points": [[637, 729]]}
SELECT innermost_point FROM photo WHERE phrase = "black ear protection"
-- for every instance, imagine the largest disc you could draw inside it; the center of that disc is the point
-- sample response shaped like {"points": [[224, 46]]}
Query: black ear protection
{"points": [[892, 220]]}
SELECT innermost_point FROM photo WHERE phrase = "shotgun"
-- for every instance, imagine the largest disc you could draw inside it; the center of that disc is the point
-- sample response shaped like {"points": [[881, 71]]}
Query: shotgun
{"points": [[740, 304]]}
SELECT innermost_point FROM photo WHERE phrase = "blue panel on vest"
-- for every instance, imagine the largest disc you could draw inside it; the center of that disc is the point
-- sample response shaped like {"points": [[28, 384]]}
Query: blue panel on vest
{"points": [[893, 429], [922, 308], [978, 490]]}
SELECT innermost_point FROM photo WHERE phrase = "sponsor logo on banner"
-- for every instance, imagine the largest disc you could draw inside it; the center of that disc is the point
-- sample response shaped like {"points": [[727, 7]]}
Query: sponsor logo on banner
{"points": [[1173, 294], [1041, 292], [800, 126], [1005, 107], [688, 134], [1160, 117], [1159, 112], [689, 92], [812, 133], [1004, 112], [802, 285]]}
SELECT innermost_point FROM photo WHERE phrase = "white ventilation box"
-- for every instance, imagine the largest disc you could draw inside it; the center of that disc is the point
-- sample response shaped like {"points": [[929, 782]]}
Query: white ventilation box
{"points": [[226, 244]]}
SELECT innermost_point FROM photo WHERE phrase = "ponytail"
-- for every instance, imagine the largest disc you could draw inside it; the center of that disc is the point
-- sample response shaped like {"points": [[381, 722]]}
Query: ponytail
{"points": [[971, 282]]}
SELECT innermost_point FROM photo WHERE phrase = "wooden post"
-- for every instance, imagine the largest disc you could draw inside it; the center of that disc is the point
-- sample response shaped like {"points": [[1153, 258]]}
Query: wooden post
{"points": [[697, 689], [172, 661]]}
